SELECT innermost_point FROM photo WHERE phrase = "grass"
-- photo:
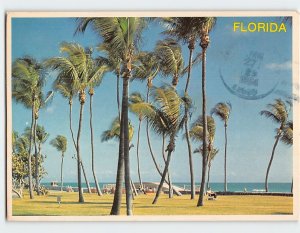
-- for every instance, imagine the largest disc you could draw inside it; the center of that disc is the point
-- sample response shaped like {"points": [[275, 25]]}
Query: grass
{"points": [[96, 206]]}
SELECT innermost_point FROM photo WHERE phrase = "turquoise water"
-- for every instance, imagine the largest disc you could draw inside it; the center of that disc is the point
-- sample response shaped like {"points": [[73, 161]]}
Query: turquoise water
{"points": [[235, 187]]}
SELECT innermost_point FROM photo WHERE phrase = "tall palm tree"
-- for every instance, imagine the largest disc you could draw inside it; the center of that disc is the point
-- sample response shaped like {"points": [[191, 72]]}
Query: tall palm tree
{"points": [[287, 138], [122, 34], [146, 67], [186, 29], [92, 86], [137, 104], [222, 110], [279, 113], [207, 24], [84, 72], [60, 144], [166, 118], [65, 87], [113, 63], [28, 78]]}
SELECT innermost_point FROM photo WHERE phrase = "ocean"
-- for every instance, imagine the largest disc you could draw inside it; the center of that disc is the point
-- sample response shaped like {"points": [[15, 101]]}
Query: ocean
{"points": [[234, 187]]}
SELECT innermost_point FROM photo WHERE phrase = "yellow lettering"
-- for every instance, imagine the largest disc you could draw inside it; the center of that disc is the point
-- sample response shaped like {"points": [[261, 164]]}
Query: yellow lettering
{"points": [[261, 26], [236, 25], [242, 28], [251, 27], [273, 27], [282, 28]]}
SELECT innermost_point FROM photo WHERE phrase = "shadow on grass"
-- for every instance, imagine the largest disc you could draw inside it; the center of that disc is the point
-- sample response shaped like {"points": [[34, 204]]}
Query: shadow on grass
{"points": [[76, 203]]}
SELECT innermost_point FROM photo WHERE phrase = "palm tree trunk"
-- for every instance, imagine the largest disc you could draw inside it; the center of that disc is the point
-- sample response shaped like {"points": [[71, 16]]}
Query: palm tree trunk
{"points": [[168, 174], [61, 172], [39, 156], [115, 210], [118, 96], [70, 121], [137, 153], [92, 148], [29, 154], [208, 175], [204, 157], [163, 178], [85, 178], [126, 145], [79, 166], [225, 161], [134, 191], [271, 160], [73, 139], [37, 185], [187, 133]]}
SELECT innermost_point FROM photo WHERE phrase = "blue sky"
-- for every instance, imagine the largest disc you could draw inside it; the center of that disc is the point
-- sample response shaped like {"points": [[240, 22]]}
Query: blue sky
{"points": [[250, 136]]}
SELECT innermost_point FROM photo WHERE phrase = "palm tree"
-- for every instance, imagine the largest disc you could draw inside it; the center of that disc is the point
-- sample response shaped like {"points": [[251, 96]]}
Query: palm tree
{"points": [[28, 78], [222, 110], [114, 131], [65, 88], [113, 63], [170, 59], [146, 67], [279, 113], [122, 35], [207, 24], [287, 138], [186, 29], [42, 137], [137, 104], [60, 144], [196, 133], [83, 71], [166, 118], [92, 85]]}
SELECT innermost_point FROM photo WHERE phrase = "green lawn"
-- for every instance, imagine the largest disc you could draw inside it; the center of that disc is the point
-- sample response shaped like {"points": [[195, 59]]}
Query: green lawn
{"points": [[95, 205]]}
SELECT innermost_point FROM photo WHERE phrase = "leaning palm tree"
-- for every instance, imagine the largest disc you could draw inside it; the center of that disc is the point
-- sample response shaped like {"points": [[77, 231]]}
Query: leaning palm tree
{"points": [[122, 34], [207, 24], [166, 118], [222, 110], [287, 138], [60, 144], [83, 72], [146, 67], [28, 78], [279, 113]]}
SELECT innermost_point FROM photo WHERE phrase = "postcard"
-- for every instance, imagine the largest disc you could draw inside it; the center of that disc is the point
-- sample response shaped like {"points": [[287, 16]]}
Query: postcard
{"points": [[152, 116]]}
